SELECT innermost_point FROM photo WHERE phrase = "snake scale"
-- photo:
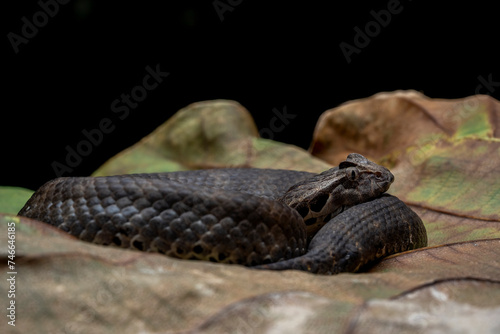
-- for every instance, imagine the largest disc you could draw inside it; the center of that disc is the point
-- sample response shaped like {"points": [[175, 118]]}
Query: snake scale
{"points": [[335, 221]]}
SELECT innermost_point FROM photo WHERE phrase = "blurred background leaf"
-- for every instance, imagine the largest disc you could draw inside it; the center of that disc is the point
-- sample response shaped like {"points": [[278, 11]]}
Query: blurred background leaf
{"points": [[12, 199]]}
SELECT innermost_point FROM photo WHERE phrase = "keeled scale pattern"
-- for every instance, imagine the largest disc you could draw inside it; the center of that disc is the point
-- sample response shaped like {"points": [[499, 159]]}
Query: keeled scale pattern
{"points": [[359, 235], [179, 220]]}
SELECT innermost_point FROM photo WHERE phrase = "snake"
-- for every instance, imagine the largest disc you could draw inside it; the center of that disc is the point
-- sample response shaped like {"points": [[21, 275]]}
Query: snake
{"points": [[340, 220]]}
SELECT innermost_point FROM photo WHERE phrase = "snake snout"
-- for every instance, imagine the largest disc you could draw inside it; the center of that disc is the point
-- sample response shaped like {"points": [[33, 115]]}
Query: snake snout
{"points": [[383, 180], [389, 178]]}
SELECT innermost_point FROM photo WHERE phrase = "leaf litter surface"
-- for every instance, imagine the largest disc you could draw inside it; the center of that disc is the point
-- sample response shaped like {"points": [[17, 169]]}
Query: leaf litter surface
{"points": [[445, 157]]}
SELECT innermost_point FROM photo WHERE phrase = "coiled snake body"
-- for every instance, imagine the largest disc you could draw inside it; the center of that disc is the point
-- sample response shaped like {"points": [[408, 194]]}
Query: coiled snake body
{"points": [[325, 223]]}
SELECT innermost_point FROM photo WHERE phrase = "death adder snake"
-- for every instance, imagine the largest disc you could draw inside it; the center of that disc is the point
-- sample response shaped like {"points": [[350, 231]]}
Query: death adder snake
{"points": [[327, 223]]}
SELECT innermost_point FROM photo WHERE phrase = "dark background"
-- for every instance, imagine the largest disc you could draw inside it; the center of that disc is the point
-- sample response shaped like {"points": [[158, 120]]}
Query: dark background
{"points": [[264, 55]]}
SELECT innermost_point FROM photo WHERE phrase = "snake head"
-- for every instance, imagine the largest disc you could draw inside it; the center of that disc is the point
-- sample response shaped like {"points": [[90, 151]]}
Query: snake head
{"points": [[366, 179], [323, 196]]}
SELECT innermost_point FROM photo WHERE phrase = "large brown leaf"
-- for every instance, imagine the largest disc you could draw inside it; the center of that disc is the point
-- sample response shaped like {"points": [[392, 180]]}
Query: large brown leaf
{"points": [[445, 155], [402, 125], [67, 285]]}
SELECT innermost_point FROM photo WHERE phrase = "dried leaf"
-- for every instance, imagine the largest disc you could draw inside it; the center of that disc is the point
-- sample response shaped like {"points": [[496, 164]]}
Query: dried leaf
{"points": [[210, 134], [449, 306], [65, 284], [402, 125], [461, 259], [443, 228], [444, 154]]}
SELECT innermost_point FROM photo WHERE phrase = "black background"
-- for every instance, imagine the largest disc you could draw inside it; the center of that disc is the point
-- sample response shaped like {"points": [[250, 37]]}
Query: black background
{"points": [[263, 54]]}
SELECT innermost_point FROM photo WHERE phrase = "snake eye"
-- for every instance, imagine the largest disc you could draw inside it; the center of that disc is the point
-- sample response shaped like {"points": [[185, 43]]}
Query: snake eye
{"points": [[351, 173]]}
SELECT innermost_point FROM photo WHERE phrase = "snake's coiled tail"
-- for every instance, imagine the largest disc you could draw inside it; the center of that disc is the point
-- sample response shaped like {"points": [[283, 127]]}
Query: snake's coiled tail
{"points": [[357, 236]]}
